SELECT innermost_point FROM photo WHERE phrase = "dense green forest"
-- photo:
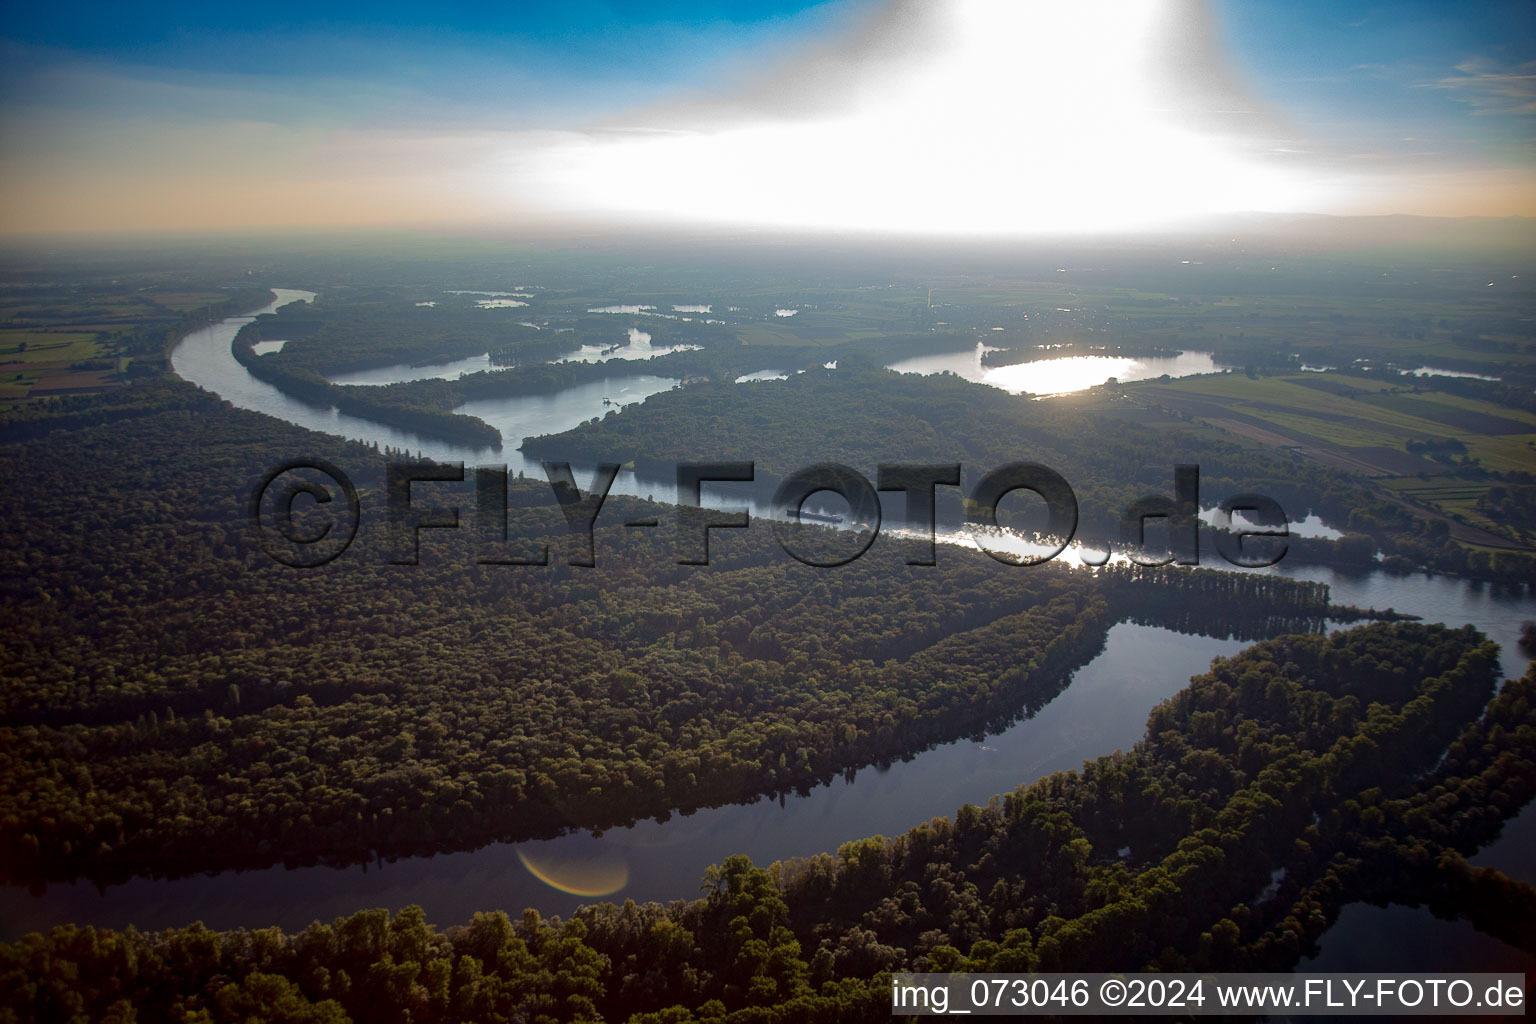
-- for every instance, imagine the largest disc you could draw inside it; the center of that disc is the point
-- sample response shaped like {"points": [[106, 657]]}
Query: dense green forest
{"points": [[354, 330], [1302, 774], [179, 701]]}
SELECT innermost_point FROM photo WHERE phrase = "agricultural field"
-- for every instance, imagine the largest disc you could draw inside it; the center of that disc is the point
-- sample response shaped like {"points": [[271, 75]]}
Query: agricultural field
{"points": [[63, 339], [1427, 447], [1341, 411], [1453, 497], [34, 360]]}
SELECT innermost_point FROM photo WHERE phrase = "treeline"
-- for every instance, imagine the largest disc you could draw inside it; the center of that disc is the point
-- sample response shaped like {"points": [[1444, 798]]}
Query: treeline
{"points": [[346, 330], [368, 403], [1300, 775], [1248, 606], [309, 386], [1032, 352]]}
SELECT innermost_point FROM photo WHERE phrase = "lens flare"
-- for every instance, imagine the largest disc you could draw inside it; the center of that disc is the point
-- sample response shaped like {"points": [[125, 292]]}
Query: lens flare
{"points": [[598, 873]]}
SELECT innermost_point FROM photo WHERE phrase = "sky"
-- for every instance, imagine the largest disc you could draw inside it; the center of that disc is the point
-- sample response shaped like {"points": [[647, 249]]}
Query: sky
{"points": [[946, 117]]}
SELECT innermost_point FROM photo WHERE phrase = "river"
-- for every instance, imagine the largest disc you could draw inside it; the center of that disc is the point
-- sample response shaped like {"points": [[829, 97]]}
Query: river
{"points": [[1103, 709]]}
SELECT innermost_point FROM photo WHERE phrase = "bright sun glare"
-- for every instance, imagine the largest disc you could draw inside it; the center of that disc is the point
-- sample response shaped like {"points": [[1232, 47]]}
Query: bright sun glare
{"points": [[1027, 117]]}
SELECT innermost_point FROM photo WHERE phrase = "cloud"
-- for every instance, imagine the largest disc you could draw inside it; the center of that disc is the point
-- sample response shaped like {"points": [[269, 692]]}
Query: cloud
{"points": [[1490, 88]]}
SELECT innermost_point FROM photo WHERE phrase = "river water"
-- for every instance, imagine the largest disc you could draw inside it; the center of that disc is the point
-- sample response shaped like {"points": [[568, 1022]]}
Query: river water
{"points": [[1103, 709], [204, 358]]}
